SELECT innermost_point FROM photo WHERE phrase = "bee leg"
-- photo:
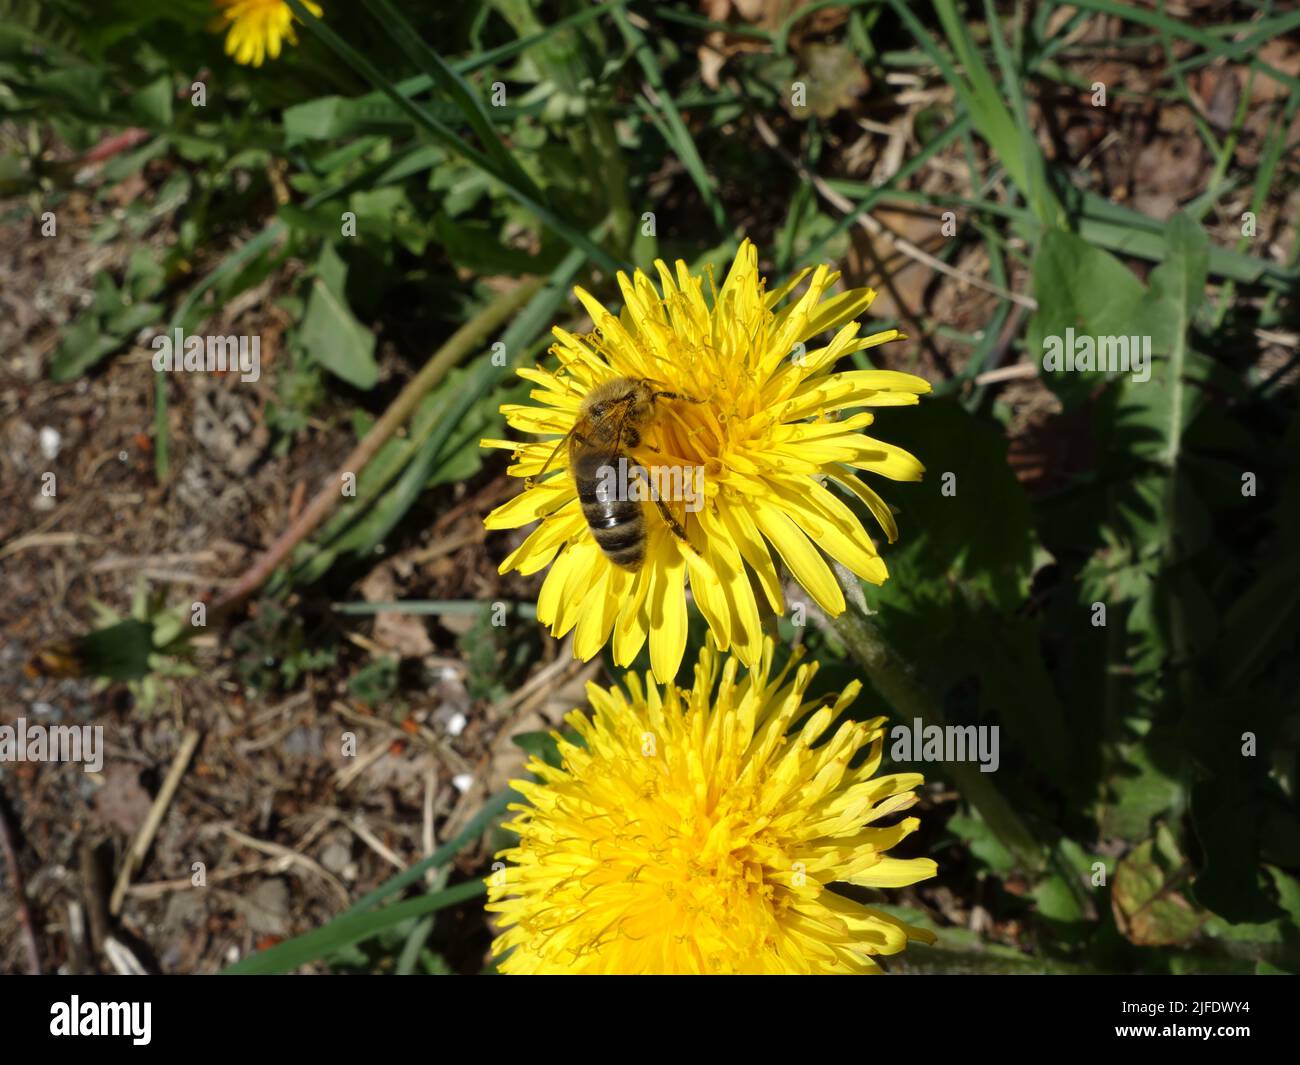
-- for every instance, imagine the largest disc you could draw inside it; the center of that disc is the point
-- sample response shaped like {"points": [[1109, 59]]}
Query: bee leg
{"points": [[678, 395], [531, 482], [674, 526]]}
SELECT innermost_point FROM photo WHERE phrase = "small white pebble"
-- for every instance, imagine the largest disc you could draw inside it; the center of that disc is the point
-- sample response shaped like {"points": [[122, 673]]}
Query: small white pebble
{"points": [[456, 724], [51, 442], [462, 782]]}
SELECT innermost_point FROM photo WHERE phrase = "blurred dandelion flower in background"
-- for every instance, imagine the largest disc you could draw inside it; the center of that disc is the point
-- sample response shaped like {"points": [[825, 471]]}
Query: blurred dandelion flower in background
{"points": [[257, 27], [767, 435], [688, 833]]}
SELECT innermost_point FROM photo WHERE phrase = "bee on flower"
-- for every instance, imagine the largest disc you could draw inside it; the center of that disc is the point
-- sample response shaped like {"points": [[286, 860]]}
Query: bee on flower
{"points": [[726, 393]]}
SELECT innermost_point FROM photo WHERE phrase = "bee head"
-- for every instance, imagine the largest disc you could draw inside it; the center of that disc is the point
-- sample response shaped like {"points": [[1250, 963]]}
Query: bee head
{"points": [[625, 397]]}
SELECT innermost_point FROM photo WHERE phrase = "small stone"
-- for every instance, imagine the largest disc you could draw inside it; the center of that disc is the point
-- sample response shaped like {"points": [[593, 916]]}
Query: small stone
{"points": [[51, 442], [336, 857]]}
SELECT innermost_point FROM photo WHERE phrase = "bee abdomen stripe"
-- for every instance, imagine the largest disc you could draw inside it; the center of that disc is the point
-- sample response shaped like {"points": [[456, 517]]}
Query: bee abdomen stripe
{"points": [[629, 557], [613, 541], [607, 515]]}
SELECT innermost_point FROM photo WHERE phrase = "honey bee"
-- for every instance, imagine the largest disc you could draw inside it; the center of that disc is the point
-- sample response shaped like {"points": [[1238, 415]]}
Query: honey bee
{"points": [[610, 422]]}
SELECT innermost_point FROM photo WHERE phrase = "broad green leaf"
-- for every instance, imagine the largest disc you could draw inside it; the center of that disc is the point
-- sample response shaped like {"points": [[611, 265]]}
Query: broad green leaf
{"points": [[834, 76], [1142, 792], [968, 519], [119, 652], [1177, 290], [1016, 686], [322, 222], [82, 87], [387, 215], [1083, 293], [331, 117], [1149, 908], [330, 333], [153, 103], [83, 345], [983, 843], [1056, 901], [145, 276]]}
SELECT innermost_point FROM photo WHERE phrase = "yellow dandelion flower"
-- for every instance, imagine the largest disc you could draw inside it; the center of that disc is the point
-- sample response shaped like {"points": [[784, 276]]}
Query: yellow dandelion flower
{"points": [[257, 27], [729, 397], [699, 832]]}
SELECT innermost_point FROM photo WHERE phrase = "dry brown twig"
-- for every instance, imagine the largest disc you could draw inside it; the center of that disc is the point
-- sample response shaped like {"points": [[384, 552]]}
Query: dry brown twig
{"points": [[290, 857], [144, 838], [281, 861], [875, 229], [346, 776]]}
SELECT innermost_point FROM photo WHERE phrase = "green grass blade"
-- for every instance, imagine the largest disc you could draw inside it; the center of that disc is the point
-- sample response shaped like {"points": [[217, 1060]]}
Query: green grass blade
{"points": [[466, 100], [1269, 160], [349, 929], [1176, 28], [410, 956], [678, 136], [510, 49], [449, 138], [491, 810], [979, 94], [1037, 192], [360, 921], [699, 22]]}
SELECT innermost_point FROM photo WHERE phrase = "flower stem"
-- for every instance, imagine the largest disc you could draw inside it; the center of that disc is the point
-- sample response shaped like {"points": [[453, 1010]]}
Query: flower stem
{"points": [[896, 680]]}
